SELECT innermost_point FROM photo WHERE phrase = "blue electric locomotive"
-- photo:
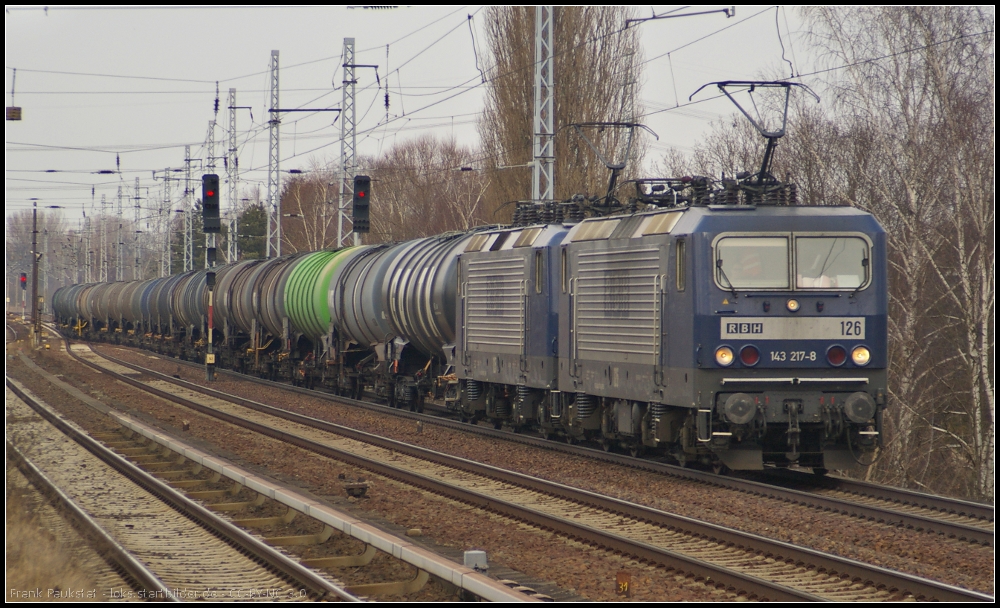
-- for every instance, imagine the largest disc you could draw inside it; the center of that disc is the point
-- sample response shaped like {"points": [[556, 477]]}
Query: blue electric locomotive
{"points": [[738, 335]]}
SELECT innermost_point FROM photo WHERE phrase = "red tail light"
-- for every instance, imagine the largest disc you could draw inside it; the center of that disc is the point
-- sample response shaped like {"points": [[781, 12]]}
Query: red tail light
{"points": [[836, 355], [749, 355]]}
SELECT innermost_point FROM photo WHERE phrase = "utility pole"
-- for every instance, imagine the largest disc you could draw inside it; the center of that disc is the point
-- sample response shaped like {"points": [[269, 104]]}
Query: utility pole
{"points": [[273, 165], [543, 169], [348, 140]]}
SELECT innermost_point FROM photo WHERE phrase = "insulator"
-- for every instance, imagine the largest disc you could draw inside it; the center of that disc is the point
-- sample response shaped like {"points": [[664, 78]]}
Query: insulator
{"points": [[473, 389], [585, 405], [547, 215], [659, 410], [574, 212], [529, 215], [557, 214], [793, 194]]}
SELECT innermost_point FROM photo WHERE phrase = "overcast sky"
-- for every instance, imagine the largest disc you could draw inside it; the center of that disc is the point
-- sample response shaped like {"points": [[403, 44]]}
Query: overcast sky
{"points": [[103, 85]]}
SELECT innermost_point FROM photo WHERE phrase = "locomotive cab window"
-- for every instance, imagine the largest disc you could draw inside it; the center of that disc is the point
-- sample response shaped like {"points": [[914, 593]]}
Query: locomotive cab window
{"points": [[752, 262], [831, 262]]}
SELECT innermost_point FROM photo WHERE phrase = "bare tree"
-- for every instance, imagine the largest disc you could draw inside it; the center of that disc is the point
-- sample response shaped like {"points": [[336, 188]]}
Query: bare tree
{"points": [[419, 188], [597, 73], [309, 210], [917, 150], [57, 265], [906, 132]]}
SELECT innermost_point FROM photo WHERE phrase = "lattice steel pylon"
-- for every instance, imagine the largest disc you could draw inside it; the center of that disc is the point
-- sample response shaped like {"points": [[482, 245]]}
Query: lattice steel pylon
{"points": [[120, 247], [87, 228], [273, 177], [136, 249], [543, 146], [188, 207], [165, 218], [348, 141], [103, 277], [232, 171]]}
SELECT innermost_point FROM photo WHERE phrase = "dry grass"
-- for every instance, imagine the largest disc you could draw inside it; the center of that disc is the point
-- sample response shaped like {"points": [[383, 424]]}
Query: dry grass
{"points": [[39, 567]]}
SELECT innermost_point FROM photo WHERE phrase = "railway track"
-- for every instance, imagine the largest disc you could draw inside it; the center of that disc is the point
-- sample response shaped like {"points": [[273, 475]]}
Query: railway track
{"points": [[953, 518], [174, 548], [759, 567]]}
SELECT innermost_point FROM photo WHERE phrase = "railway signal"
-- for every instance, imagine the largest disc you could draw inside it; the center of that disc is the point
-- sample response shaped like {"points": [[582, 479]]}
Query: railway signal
{"points": [[210, 203], [362, 194]]}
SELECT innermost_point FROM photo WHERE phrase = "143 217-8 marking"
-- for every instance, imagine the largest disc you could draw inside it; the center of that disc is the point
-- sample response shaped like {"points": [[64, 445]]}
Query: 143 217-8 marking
{"points": [[794, 356]]}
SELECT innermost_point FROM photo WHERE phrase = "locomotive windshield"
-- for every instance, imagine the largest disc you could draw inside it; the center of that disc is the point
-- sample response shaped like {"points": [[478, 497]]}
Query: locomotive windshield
{"points": [[831, 262], [820, 262], [752, 263]]}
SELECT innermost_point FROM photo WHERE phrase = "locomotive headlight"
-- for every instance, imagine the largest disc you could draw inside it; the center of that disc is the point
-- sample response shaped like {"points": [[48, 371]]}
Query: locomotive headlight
{"points": [[793, 305], [861, 356], [724, 356]]}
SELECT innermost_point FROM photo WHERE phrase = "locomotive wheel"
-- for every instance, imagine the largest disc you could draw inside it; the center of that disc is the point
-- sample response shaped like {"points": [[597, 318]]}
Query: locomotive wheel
{"points": [[570, 439], [545, 434]]}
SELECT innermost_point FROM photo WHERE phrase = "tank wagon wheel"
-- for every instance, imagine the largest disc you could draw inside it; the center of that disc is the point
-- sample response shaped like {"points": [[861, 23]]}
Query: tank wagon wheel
{"points": [[570, 439], [636, 451], [544, 434], [606, 445], [720, 469]]}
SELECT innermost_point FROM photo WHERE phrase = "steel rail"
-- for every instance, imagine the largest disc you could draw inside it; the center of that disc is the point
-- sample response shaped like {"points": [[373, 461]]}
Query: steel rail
{"points": [[204, 517], [107, 546], [879, 577], [888, 516]]}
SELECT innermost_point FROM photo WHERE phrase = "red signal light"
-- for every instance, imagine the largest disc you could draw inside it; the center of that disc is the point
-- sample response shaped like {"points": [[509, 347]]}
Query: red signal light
{"points": [[361, 194], [210, 193]]}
